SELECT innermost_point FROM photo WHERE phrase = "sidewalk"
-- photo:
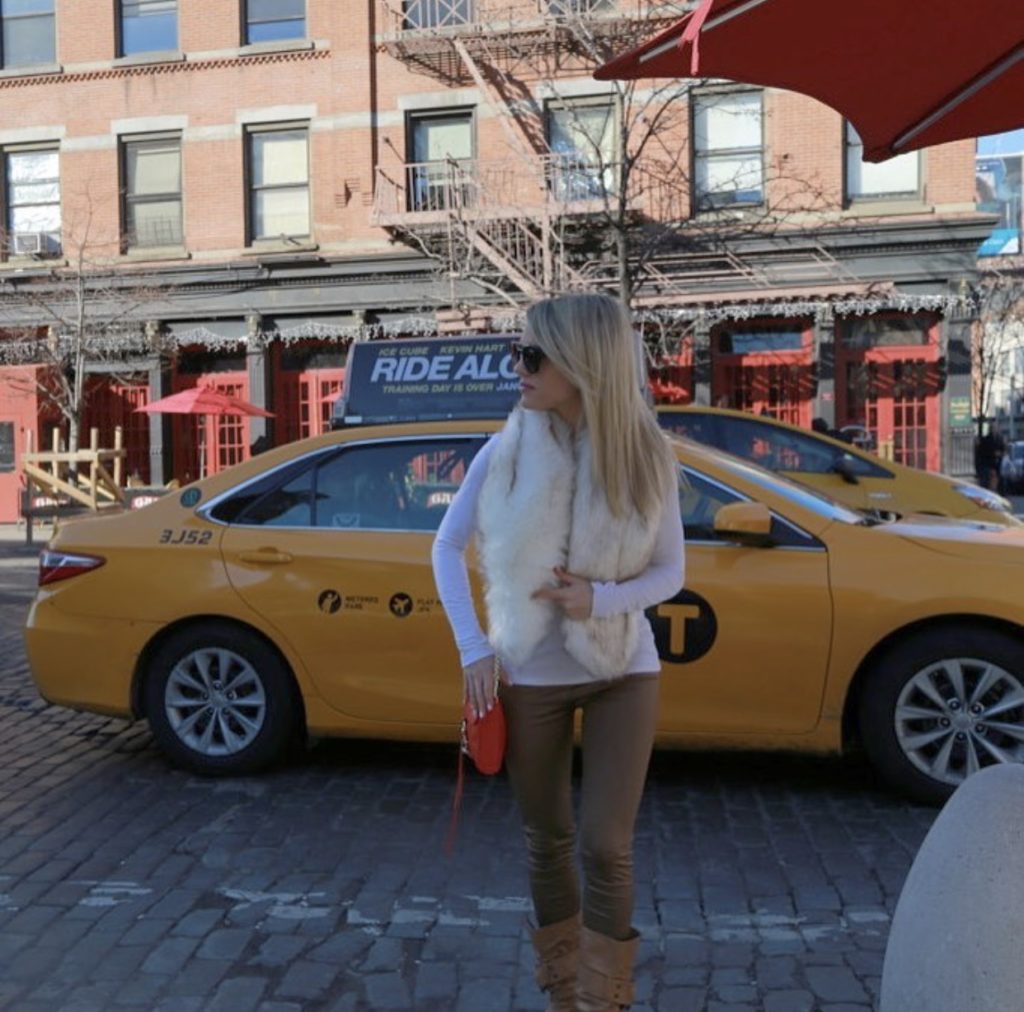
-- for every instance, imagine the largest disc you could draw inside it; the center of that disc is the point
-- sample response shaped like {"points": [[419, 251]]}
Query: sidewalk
{"points": [[13, 538]]}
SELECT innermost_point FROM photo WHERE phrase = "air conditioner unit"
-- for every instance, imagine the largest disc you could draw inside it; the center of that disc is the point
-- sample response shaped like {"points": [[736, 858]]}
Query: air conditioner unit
{"points": [[28, 243]]}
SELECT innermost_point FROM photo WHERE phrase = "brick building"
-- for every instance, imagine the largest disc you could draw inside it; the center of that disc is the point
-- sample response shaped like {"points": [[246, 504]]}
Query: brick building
{"points": [[292, 175]]}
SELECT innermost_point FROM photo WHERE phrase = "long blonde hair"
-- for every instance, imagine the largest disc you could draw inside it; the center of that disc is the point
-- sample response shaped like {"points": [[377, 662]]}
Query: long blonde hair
{"points": [[590, 339]]}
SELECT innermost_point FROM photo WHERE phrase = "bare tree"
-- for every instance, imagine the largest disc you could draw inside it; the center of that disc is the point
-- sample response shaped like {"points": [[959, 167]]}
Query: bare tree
{"points": [[613, 200], [72, 312], [998, 334]]}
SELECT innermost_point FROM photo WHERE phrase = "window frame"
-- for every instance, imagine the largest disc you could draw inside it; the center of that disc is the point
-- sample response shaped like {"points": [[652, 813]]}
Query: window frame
{"points": [[415, 116], [127, 201], [6, 206], [247, 23], [252, 131], [120, 31], [881, 196], [4, 18], [701, 204], [613, 167]]}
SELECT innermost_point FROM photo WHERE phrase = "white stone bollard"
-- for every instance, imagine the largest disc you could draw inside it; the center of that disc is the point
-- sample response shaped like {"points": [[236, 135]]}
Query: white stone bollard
{"points": [[957, 938]]}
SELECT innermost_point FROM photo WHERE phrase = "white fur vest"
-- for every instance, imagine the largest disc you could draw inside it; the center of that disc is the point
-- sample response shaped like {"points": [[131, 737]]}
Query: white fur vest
{"points": [[539, 508]]}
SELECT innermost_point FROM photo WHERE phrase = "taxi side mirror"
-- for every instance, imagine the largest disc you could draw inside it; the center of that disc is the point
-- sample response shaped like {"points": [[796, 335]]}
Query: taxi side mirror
{"points": [[844, 468], [746, 523]]}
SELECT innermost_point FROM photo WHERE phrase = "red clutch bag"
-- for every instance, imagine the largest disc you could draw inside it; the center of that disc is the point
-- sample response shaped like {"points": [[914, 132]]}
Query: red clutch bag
{"points": [[483, 741]]}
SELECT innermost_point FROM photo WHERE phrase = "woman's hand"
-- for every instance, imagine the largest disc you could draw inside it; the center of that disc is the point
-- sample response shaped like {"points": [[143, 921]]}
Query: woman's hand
{"points": [[574, 595], [480, 688]]}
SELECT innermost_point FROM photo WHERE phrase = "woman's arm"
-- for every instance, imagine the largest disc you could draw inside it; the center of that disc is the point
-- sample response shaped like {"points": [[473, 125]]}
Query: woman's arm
{"points": [[448, 557], [663, 577]]}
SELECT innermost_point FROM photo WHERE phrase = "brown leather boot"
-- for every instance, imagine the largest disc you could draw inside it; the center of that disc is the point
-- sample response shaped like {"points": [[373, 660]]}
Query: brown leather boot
{"points": [[604, 981], [558, 947]]}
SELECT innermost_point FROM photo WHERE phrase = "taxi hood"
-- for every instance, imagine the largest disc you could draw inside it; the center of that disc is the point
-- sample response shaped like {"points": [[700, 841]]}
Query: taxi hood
{"points": [[964, 539]]}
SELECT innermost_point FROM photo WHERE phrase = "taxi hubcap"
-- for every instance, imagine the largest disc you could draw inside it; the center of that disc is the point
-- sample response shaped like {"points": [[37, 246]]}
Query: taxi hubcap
{"points": [[215, 701], [958, 715]]}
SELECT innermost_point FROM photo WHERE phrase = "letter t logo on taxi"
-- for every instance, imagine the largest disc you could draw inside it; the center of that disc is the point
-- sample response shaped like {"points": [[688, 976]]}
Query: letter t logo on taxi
{"points": [[677, 614]]}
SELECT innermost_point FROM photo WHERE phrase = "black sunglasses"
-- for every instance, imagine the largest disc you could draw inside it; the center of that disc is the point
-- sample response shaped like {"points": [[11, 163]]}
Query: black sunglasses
{"points": [[530, 355]]}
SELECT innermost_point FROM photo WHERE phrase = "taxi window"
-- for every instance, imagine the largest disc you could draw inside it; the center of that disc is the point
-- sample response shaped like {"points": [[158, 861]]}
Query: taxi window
{"points": [[780, 449], [693, 425], [289, 505], [401, 485], [699, 501]]}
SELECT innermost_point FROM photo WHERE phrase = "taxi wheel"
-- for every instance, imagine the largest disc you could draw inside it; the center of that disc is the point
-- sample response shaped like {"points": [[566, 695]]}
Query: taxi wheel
{"points": [[219, 700], [942, 705]]}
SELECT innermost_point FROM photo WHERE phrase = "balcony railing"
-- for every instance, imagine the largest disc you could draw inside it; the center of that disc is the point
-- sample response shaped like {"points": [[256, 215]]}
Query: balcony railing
{"points": [[549, 185], [405, 18]]}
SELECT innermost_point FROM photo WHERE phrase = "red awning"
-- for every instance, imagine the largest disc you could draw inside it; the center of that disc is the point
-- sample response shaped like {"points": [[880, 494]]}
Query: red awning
{"points": [[906, 73]]}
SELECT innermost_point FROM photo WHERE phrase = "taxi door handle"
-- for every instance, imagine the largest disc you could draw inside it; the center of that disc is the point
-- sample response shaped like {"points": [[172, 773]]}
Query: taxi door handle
{"points": [[265, 557]]}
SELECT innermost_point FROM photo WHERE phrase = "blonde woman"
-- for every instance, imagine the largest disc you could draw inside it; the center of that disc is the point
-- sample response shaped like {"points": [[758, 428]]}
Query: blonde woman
{"points": [[575, 508]]}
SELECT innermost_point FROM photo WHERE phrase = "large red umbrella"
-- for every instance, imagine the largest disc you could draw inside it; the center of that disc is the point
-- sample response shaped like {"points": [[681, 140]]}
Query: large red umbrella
{"points": [[906, 73], [203, 401]]}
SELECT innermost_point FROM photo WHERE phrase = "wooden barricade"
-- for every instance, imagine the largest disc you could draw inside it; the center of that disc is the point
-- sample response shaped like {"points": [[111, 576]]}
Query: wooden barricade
{"points": [[91, 477]]}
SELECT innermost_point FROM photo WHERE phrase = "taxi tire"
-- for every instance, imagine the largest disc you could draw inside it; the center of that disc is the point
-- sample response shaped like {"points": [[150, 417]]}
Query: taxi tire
{"points": [[281, 721], [889, 676]]}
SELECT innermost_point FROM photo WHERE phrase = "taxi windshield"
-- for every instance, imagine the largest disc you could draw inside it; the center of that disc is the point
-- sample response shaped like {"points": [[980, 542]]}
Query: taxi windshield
{"points": [[801, 495]]}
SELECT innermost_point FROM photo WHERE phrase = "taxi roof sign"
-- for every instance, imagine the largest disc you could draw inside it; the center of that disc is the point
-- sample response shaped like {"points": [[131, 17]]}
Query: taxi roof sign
{"points": [[428, 380]]}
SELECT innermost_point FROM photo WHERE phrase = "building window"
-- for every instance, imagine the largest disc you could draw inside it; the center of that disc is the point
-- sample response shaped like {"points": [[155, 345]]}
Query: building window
{"points": [[273, 20], [148, 26], [32, 202], [582, 140], [441, 173], [279, 183], [888, 330], [7, 456], [436, 13], [29, 32], [728, 149], [895, 177], [152, 192]]}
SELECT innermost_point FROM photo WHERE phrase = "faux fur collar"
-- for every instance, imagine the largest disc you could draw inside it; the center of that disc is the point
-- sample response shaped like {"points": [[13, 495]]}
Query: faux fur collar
{"points": [[539, 507]]}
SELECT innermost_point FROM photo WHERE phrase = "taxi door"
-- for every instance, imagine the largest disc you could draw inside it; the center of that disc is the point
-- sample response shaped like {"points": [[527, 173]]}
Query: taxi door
{"points": [[745, 645], [337, 561]]}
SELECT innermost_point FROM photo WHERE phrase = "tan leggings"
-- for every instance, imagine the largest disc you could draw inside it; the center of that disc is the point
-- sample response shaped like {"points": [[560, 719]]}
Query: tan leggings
{"points": [[618, 731]]}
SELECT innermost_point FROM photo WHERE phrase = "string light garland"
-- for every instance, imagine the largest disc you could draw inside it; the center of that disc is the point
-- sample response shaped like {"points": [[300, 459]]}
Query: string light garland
{"points": [[20, 351]]}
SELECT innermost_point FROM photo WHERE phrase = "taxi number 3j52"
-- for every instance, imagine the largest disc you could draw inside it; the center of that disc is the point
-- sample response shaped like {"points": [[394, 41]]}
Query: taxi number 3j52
{"points": [[169, 537]]}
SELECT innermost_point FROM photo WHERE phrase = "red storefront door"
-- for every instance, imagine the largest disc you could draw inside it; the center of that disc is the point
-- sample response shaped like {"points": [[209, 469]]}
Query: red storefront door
{"points": [[766, 370], [305, 402], [223, 440], [111, 404], [892, 389]]}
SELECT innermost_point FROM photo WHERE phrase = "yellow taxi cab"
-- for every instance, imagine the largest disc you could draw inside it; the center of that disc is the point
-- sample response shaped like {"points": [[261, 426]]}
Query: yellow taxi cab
{"points": [[847, 473], [293, 595]]}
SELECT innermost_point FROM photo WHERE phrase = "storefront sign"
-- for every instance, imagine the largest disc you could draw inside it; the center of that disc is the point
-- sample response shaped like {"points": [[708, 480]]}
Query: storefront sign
{"points": [[960, 412]]}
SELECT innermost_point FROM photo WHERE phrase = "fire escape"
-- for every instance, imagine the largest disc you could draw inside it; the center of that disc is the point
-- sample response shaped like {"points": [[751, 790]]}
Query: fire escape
{"points": [[509, 224], [514, 225]]}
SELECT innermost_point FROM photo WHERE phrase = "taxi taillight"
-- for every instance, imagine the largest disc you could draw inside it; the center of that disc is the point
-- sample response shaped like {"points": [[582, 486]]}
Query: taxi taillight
{"points": [[54, 566]]}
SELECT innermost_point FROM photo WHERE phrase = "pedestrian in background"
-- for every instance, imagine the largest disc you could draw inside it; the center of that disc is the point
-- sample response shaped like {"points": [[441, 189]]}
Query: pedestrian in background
{"points": [[575, 508], [988, 455]]}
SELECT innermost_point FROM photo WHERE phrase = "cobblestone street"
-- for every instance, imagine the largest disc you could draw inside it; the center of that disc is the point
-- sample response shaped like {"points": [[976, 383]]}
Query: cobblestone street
{"points": [[763, 882]]}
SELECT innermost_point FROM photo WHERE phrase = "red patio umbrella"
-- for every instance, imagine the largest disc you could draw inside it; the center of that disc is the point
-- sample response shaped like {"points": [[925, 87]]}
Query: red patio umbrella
{"points": [[906, 73], [203, 401]]}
